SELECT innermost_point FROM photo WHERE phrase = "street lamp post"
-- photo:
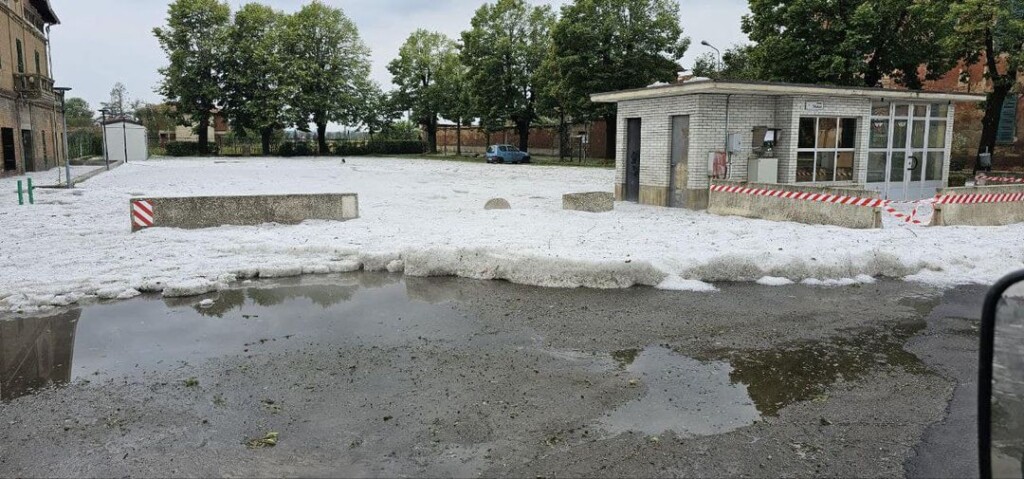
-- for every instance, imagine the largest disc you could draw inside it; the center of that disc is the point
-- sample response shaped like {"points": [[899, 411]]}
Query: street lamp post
{"points": [[106, 154], [719, 52], [62, 91]]}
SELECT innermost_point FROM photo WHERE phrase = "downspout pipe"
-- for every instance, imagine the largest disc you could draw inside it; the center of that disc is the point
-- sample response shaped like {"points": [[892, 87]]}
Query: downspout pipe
{"points": [[728, 156]]}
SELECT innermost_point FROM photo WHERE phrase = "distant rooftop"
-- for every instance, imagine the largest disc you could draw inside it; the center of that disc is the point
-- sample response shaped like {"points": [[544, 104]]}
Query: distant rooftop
{"points": [[46, 11], [776, 89]]}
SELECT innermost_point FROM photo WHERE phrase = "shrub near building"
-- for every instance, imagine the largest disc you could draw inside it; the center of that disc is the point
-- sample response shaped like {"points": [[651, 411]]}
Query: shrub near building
{"points": [[187, 148]]}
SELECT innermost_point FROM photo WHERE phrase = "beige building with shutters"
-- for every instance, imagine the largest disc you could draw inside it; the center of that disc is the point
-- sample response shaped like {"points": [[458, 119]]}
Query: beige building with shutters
{"points": [[31, 121], [674, 139]]}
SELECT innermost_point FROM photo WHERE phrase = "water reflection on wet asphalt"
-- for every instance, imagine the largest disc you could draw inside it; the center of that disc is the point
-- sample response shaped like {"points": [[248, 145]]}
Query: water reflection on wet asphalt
{"points": [[709, 393]]}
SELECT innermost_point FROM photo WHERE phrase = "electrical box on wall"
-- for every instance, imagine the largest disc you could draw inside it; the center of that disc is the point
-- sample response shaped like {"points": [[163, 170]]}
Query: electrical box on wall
{"points": [[735, 142]]}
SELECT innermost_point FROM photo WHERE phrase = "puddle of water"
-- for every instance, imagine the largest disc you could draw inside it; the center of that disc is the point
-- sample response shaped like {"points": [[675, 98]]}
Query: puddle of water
{"points": [[684, 395], [36, 352], [130, 338], [625, 357], [804, 371]]}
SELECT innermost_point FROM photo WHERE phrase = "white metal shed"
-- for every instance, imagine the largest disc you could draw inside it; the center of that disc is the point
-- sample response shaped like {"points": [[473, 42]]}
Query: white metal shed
{"points": [[126, 140]]}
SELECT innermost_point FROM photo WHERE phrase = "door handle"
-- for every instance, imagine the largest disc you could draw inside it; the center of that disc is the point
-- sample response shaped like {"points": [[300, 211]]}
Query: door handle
{"points": [[914, 163]]}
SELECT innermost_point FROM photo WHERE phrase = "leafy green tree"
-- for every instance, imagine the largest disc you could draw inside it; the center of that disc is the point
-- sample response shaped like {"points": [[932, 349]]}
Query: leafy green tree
{"points": [[380, 110], [459, 103], [735, 65], [852, 42], [422, 62], [606, 45], [328, 64], [155, 118], [78, 113], [255, 81], [193, 41], [706, 66], [503, 50], [989, 31], [119, 105]]}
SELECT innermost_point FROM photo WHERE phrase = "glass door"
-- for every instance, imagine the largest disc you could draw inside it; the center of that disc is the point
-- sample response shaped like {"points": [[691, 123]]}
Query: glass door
{"points": [[907, 149]]}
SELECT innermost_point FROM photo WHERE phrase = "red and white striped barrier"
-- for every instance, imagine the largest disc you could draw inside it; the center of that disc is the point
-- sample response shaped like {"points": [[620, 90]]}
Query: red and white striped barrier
{"points": [[1000, 179], [142, 213], [885, 205], [798, 195], [977, 198]]}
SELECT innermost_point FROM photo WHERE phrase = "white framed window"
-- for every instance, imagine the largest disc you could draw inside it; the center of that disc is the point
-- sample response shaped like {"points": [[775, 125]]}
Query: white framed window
{"points": [[907, 142], [826, 149]]}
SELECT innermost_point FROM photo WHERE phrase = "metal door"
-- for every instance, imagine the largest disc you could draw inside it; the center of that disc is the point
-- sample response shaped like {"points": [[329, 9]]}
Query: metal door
{"points": [[26, 148], [633, 159], [7, 139]]}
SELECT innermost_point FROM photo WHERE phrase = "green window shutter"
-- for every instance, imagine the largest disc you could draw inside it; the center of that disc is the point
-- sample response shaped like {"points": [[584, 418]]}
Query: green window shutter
{"points": [[38, 69], [1007, 130], [21, 57]]}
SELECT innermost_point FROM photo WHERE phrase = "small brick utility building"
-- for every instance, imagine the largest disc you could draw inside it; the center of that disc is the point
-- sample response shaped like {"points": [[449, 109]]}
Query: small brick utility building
{"points": [[673, 139]]}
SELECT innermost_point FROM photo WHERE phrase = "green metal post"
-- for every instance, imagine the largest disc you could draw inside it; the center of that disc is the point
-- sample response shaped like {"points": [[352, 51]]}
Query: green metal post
{"points": [[21, 194], [31, 198]]}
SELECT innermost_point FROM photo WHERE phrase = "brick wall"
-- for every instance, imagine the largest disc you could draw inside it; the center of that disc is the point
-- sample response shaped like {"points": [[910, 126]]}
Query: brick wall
{"points": [[967, 122], [38, 116], [708, 132], [655, 136], [859, 108], [543, 139]]}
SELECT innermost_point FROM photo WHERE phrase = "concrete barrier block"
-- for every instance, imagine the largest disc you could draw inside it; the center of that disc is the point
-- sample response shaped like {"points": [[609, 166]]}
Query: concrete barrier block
{"points": [[213, 211], [800, 211], [980, 214], [592, 202]]}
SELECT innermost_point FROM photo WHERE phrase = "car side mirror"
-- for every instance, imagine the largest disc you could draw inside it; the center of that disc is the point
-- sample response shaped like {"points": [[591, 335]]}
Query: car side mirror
{"points": [[1001, 380]]}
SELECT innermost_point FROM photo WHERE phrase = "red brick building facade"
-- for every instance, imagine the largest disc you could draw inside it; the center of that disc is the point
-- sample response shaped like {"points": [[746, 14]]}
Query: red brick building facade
{"points": [[967, 124]]}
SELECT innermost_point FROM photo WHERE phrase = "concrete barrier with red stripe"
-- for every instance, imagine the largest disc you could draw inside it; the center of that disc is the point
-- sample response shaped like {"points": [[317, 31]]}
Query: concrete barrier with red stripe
{"points": [[979, 206], [213, 211], [847, 207]]}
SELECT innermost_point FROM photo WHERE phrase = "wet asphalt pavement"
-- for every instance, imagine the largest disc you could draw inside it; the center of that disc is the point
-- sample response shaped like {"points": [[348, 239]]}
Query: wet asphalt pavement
{"points": [[380, 375]]}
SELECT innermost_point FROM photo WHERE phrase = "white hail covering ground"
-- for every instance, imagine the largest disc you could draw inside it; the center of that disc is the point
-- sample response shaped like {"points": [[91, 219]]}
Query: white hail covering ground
{"points": [[427, 218]]}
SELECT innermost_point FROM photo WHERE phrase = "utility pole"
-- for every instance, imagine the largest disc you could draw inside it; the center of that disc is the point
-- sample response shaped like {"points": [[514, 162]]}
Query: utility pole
{"points": [[124, 134], [62, 91], [106, 154]]}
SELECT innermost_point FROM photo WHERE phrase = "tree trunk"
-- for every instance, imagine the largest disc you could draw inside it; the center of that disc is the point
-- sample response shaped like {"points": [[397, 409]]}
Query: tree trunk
{"points": [[458, 137], [321, 138], [431, 125], [204, 134], [1001, 86], [562, 140], [523, 128], [993, 113], [610, 136], [266, 135]]}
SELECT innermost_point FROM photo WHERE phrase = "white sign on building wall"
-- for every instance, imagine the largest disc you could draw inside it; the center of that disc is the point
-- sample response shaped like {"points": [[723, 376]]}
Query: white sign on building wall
{"points": [[816, 105]]}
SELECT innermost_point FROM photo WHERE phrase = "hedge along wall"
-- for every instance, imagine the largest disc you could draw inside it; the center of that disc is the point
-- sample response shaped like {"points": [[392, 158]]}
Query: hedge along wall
{"points": [[306, 148]]}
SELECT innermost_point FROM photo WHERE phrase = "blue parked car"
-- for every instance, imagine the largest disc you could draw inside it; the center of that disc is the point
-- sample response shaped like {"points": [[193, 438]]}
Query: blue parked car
{"points": [[506, 154]]}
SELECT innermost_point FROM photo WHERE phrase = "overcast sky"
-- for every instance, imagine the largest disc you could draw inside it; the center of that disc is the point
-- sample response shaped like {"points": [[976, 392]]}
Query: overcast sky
{"points": [[101, 42]]}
